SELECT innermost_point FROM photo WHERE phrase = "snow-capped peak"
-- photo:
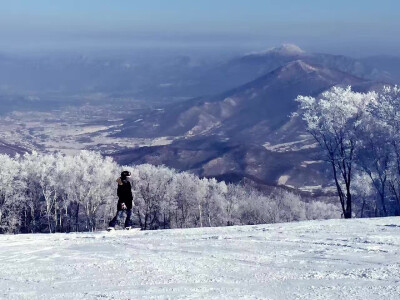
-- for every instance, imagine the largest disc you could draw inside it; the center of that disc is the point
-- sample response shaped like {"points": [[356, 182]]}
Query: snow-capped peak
{"points": [[288, 49], [285, 49]]}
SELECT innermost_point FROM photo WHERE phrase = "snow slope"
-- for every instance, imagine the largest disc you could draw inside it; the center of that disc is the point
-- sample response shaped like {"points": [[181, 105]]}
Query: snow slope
{"points": [[335, 259]]}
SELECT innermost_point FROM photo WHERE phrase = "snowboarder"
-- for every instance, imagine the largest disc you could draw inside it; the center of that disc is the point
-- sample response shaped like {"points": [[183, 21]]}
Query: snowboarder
{"points": [[125, 201]]}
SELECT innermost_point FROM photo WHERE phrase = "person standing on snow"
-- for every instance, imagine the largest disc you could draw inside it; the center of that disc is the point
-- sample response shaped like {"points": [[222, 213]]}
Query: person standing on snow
{"points": [[125, 201]]}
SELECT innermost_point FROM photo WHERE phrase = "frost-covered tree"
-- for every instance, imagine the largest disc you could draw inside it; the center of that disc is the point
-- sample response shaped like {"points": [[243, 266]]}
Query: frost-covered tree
{"points": [[364, 193], [11, 189], [186, 212], [33, 194], [374, 156], [54, 192], [94, 183], [384, 120], [215, 202], [288, 206], [152, 190], [61, 182], [333, 119], [318, 210], [234, 196], [44, 169]]}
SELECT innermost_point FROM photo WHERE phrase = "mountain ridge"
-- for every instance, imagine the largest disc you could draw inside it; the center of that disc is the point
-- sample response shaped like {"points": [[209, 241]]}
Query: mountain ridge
{"points": [[235, 134], [288, 81]]}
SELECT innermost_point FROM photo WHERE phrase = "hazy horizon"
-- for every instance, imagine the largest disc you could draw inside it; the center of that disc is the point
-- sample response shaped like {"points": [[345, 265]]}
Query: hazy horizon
{"points": [[359, 28]]}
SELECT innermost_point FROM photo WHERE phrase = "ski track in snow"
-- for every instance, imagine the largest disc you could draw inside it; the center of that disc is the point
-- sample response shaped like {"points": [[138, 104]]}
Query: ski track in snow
{"points": [[334, 259]]}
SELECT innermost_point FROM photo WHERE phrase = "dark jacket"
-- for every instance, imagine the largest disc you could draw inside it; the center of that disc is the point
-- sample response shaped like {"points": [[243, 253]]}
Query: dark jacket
{"points": [[124, 193]]}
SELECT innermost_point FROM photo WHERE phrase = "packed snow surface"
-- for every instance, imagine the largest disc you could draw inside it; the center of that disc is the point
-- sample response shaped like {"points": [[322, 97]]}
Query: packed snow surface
{"points": [[335, 259]]}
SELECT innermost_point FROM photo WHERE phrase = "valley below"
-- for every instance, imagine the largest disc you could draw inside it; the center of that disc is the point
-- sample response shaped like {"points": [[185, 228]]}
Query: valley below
{"points": [[71, 129]]}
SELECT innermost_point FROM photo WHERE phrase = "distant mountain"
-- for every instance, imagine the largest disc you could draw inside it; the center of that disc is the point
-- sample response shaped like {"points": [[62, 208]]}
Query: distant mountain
{"points": [[253, 65], [71, 75], [254, 109], [247, 132], [358, 67], [165, 78], [390, 65], [289, 50]]}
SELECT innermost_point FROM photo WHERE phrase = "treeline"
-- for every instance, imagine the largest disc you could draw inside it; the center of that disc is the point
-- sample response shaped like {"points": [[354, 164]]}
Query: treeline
{"points": [[359, 138], [58, 193]]}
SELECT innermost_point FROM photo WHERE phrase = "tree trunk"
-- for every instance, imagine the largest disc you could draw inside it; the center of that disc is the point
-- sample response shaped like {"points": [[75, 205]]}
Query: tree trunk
{"points": [[347, 214], [77, 218], [200, 215], [140, 219], [48, 220], [362, 208], [209, 217], [55, 217], [382, 196], [339, 189]]}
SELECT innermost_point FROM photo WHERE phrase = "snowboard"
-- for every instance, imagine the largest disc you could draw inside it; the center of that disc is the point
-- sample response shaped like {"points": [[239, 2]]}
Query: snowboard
{"points": [[133, 230]]}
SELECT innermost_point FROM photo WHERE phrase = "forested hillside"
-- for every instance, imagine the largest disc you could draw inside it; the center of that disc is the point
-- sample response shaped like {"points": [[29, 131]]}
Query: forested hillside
{"points": [[58, 193]]}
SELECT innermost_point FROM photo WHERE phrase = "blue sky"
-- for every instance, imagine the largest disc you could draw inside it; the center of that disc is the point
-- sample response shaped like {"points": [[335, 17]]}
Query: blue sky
{"points": [[343, 26]]}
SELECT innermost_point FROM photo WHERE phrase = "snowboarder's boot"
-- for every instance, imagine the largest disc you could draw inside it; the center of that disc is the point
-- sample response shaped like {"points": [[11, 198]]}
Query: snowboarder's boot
{"points": [[128, 227]]}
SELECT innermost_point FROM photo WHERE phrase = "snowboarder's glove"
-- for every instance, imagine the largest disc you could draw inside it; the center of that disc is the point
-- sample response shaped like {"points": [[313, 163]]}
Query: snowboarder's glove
{"points": [[123, 206]]}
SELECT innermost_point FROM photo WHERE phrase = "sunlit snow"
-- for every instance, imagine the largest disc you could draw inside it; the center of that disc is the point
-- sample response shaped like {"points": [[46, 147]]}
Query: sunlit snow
{"points": [[335, 259]]}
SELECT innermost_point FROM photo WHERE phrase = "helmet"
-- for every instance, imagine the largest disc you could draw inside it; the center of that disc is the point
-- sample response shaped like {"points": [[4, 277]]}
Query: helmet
{"points": [[125, 174]]}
